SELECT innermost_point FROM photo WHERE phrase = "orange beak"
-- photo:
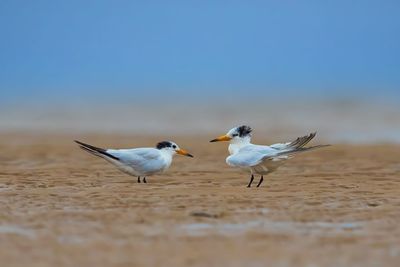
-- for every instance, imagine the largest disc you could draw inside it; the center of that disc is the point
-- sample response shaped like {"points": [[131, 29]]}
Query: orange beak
{"points": [[184, 152], [222, 138]]}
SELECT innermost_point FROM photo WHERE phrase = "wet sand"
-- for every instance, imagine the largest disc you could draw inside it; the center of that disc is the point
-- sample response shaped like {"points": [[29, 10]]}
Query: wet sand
{"points": [[60, 206]]}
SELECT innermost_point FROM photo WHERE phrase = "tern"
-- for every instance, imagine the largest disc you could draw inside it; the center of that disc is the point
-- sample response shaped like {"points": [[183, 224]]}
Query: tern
{"points": [[260, 159], [140, 162]]}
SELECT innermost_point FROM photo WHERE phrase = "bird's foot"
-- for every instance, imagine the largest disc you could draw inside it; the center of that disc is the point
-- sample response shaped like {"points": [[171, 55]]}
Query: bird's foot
{"points": [[251, 180], [260, 182]]}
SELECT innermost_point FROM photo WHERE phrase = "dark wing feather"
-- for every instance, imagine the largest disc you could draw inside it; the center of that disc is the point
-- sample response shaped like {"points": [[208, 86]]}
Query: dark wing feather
{"points": [[95, 150], [301, 141]]}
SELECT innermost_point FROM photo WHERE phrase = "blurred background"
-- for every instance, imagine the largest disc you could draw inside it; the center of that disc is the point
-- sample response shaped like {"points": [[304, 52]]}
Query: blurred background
{"points": [[202, 67]]}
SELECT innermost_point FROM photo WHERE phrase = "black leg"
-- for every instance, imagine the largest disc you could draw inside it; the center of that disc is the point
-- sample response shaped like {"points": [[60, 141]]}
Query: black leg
{"points": [[261, 180], [144, 180], [251, 180], [138, 179]]}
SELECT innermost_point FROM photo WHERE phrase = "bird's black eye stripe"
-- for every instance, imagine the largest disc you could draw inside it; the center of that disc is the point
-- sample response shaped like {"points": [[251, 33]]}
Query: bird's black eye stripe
{"points": [[234, 135]]}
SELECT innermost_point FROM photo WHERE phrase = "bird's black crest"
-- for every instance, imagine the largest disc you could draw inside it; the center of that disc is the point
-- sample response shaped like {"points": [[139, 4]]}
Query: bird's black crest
{"points": [[163, 144], [244, 130]]}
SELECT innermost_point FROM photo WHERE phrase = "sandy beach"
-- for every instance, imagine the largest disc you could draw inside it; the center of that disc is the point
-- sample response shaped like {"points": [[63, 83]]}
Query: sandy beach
{"points": [[131, 74], [338, 206]]}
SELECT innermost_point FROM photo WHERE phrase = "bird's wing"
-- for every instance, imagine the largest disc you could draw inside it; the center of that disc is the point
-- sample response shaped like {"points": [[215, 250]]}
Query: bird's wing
{"points": [[243, 159], [296, 146], [251, 155], [140, 159], [251, 148], [291, 151], [298, 143], [97, 151]]}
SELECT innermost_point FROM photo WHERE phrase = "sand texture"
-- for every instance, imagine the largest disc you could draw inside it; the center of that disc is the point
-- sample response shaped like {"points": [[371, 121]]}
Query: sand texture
{"points": [[60, 206]]}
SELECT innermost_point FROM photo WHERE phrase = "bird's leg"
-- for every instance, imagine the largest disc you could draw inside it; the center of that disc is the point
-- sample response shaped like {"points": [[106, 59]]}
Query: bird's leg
{"points": [[251, 180], [138, 179], [144, 180], [261, 180]]}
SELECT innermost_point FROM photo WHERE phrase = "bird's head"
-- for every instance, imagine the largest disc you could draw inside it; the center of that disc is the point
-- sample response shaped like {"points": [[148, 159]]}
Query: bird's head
{"points": [[236, 134], [172, 148]]}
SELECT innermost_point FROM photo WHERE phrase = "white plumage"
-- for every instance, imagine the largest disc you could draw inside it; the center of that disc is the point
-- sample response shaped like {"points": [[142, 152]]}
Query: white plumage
{"points": [[140, 162], [260, 159]]}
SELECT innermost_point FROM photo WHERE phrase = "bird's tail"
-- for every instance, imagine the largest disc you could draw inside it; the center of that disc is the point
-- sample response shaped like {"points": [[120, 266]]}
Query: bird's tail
{"points": [[97, 151]]}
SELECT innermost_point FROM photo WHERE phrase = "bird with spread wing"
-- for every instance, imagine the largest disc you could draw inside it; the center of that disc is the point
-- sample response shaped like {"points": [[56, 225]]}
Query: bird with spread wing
{"points": [[259, 159]]}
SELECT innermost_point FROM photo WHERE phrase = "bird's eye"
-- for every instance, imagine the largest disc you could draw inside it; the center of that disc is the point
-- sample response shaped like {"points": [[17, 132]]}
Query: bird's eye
{"points": [[174, 146], [234, 135]]}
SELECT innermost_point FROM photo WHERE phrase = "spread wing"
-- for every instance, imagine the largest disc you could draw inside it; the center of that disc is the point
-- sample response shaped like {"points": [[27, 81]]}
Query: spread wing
{"points": [[296, 146], [298, 143]]}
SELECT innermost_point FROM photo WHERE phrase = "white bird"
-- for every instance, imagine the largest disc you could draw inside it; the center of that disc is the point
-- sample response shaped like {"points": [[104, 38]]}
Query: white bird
{"points": [[140, 162], [260, 159]]}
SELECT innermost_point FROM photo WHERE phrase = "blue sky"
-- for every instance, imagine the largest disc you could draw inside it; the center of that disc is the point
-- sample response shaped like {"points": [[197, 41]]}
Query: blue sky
{"points": [[62, 49]]}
